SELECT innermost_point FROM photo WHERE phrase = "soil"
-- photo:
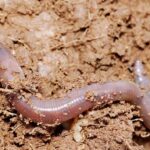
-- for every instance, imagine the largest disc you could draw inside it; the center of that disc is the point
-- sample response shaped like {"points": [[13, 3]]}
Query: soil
{"points": [[62, 45]]}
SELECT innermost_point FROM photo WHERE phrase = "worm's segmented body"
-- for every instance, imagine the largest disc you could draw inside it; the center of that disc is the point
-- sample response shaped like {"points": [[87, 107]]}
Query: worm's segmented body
{"points": [[55, 111]]}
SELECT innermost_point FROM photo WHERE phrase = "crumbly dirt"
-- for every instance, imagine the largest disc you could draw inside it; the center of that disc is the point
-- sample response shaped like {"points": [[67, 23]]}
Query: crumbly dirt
{"points": [[62, 45]]}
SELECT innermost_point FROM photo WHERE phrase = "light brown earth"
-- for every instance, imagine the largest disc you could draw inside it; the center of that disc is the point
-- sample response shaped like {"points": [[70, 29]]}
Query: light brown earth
{"points": [[62, 45]]}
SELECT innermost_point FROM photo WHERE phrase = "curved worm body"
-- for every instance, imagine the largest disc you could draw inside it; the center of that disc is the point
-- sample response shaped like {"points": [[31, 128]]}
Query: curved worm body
{"points": [[142, 79], [9, 67], [74, 103], [60, 110]]}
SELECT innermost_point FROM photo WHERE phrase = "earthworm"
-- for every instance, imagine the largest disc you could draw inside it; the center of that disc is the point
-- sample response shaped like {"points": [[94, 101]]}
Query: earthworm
{"points": [[140, 76], [9, 67], [55, 111], [143, 80], [60, 110]]}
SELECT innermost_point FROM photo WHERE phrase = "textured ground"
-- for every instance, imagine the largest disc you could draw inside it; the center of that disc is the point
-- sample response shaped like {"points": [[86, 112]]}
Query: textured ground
{"points": [[66, 44]]}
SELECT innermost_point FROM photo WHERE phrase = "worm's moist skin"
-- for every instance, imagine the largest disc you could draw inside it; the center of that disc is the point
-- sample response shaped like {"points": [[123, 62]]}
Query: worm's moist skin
{"points": [[9, 67], [60, 110], [145, 109], [140, 76], [143, 80], [74, 103]]}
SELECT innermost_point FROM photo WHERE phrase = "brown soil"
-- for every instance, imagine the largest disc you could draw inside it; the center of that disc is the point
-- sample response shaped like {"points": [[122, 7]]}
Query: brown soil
{"points": [[66, 44]]}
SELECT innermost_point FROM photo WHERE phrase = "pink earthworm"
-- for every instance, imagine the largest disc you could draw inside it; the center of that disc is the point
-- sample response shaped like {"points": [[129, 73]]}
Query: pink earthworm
{"points": [[55, 111], [9, 67], [143, 81], [60, 110], [140, 76]]}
